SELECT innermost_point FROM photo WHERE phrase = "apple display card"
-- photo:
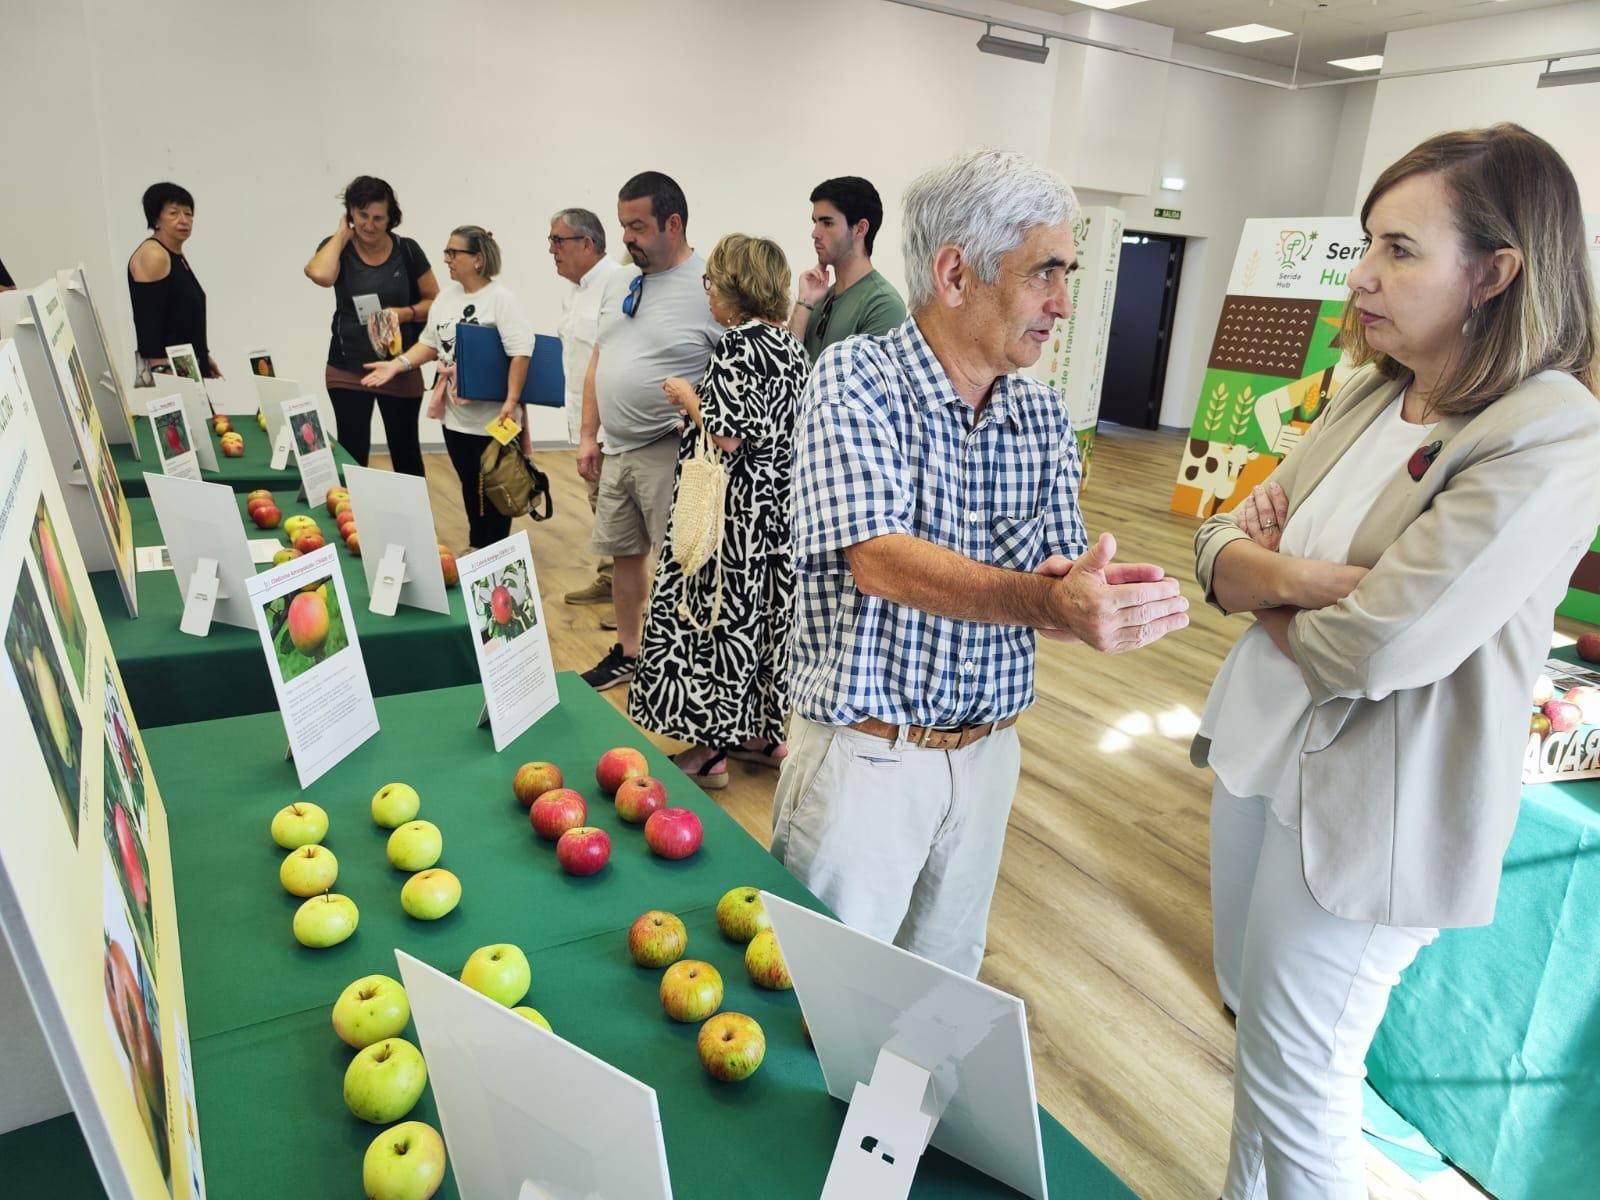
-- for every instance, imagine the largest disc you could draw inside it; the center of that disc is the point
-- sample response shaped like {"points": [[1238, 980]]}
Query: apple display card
{"points": [[308, 435], [308, 632], [89, 331], [186, 364], [210, 554], [399, 551], [197, 410], [508, 634], [261, 362], [270, 395], [174, 443], [86, 894]]}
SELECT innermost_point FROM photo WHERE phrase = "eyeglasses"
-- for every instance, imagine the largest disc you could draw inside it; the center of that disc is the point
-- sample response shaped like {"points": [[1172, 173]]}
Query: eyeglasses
{"points": [[450, 252], [635, 297], [555, 239], [705, 281], [822, 318]]}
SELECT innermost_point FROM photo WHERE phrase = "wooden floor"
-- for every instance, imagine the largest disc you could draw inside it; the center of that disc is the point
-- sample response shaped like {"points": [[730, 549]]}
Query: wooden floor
{"points": [[1101, 918]]}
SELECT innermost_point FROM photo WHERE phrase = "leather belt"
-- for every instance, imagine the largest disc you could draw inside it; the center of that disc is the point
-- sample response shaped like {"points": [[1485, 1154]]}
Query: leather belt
{"points": [[933, 739]]}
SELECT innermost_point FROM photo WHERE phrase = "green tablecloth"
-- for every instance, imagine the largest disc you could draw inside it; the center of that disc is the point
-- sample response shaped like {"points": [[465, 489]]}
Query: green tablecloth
{"points": [[1492, 1040], [268, 1067], [243, 474], [173, 678]]}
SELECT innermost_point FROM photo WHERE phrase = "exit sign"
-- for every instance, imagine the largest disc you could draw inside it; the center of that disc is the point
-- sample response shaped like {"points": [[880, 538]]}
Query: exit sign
{"points": [[1171, 214]]}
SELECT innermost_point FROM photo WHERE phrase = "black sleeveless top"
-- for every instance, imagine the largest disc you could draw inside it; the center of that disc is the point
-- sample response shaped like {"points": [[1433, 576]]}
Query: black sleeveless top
{"points": [[170, 311]]}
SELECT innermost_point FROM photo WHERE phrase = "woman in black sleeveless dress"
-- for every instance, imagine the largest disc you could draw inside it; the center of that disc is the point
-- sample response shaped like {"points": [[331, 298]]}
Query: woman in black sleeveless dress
{"points": [[169, 305]]}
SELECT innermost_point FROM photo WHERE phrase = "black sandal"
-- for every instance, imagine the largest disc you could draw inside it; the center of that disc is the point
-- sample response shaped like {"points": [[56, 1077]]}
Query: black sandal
{"points": [[703, 775], [765, 756]]}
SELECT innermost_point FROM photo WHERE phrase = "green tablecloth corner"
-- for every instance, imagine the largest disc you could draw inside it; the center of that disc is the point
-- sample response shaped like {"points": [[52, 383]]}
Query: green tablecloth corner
{"points": [[250, 471], [173, 678], [1397, 1139], [267, 1065]]}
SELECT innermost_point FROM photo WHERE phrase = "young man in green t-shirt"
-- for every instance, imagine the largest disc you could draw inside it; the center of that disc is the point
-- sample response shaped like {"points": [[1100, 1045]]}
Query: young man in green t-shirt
{"points": [[846, 214]]}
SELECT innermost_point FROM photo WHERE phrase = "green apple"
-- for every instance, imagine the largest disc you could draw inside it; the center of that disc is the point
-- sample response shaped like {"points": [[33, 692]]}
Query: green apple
{"points": [[657, 939], [741, 915], [372, 1008], [395, 804], [691, 990], [299, 824], [324, 921], [731, 1046], [308, 871], [384, 1082], [403, 1163], [500, 972], [431, 894], [415, 846], [764, 961], [533, 1014]]}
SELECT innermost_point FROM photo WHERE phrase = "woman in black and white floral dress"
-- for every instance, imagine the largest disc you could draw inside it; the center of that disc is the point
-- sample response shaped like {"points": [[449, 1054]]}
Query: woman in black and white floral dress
{"points": [[725, 689]]}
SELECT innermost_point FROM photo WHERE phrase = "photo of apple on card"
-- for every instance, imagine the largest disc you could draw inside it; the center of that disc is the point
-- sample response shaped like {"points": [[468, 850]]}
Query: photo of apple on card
{"points": [[308, 634], [501, 591], [174, 440]]}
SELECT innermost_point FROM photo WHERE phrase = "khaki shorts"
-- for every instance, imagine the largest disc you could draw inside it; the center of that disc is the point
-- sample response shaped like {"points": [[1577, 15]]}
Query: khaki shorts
{"points": [[634, 501]]}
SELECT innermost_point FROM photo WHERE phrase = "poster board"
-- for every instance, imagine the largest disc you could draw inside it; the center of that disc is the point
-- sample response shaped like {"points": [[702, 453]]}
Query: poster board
{"points": [[1273, 361], [109, 393], [53, 371], [1073, 364], [86, 893]]}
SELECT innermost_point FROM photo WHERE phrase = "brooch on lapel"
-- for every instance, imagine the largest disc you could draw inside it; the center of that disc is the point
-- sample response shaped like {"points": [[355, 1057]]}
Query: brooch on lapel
{"points": [[1422, 458]]}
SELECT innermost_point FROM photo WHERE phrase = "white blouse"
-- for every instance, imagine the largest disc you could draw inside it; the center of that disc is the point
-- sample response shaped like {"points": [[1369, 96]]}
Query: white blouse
{"points": [[1259, 707]]}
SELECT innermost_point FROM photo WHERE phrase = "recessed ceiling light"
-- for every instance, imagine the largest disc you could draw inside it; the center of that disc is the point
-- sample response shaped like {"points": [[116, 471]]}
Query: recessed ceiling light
{"points": [[1108, 4], [1364, 62], [1248, 33], [1172, 183]]}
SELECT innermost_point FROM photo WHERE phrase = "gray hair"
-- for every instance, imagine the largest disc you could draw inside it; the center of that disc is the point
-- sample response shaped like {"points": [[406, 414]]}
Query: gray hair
{"points": [[982, 202], [585, 224]]}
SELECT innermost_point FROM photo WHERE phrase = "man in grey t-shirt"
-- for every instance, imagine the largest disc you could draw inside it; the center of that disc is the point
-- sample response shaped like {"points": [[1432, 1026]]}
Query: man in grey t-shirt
{"points": [[655, 323]]}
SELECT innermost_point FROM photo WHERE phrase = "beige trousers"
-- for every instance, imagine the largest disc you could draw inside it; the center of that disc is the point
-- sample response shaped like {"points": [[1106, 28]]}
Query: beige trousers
{"points": [[901, 843]]}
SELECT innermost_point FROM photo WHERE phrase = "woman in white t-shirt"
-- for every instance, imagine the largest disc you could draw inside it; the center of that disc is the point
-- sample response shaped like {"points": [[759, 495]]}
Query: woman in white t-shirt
{"points": [[1367, 732], [471, 298]]}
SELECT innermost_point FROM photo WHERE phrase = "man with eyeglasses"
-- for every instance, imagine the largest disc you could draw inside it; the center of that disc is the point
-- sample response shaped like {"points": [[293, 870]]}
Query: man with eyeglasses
{"points": [[578, 246], [846, 215], [937, 533], [654, 325]]}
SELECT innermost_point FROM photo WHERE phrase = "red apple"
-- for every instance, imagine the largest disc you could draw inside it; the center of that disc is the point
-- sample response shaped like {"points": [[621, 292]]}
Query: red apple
{"points": [[353, 543], [221, 425], [128, 852], [1589, 646], [308, 622], [555, 812], [174, 438], [617, 764], [447, 563], [638, 797], [308, 541], [500, 605], [583, 850], [1563, 716], [1588, 701], [673, 833], [258, 494], [534, 779], [267, 516], [308, 435], [232, 445]]}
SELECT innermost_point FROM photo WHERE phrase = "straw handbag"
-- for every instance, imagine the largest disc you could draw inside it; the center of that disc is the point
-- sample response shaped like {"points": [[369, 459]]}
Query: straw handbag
{"points": [[697, 519]]}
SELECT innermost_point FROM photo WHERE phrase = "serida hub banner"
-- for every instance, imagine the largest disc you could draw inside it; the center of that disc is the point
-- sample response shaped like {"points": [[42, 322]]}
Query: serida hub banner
{"points": [[1274, 361], [86, 899]]}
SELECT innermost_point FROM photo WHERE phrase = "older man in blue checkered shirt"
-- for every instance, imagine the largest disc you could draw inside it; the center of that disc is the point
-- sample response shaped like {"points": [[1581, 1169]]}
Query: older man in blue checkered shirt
{"points": [[936, 533]]}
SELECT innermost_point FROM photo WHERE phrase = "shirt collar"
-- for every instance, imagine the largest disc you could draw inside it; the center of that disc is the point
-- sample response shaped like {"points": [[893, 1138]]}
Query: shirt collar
{"points": [[934, 388], [601, 267]]}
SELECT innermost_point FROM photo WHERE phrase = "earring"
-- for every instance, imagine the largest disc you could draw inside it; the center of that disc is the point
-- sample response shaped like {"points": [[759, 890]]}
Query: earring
{"points": [[1472, 316]]}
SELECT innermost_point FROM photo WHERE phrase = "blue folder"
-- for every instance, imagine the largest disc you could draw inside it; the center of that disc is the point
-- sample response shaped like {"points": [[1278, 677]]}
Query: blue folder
{"points": [[482, 365]]}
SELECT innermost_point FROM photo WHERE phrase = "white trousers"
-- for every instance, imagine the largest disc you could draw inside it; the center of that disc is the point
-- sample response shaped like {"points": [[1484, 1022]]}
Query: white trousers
{"points": [[902, 843], [1310, 989]]}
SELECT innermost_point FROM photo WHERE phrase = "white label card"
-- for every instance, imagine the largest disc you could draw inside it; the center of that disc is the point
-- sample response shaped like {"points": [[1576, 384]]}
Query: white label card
{"points": [[200, 600], [312, 450], [501, 591], [308, 633], [169, 421]]}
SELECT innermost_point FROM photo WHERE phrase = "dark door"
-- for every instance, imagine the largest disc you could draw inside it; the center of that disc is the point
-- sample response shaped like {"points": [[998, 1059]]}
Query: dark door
{"points": [[1141, 329]]}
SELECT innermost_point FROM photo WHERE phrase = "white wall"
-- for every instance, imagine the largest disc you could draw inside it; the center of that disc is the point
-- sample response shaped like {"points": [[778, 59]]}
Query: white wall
{"points": [[1406, 111]]}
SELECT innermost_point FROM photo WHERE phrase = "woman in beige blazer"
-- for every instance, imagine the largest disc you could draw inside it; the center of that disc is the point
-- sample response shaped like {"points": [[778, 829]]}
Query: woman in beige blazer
{"points": [[1403, 566]]}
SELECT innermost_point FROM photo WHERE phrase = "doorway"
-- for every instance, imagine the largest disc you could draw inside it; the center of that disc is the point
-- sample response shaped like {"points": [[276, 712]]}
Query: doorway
{"points": [[1141, 328]]}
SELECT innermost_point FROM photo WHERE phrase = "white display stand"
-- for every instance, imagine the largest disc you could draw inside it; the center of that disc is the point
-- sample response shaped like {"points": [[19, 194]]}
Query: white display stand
{"points": [[105, 381], [53, 373], [527, 1114], [922, 1054], [399, 550], [210, 553]]}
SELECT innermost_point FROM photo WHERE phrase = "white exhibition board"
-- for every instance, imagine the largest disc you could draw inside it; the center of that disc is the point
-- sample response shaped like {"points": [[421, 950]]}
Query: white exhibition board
{"points": [[862, 997], [308, 633], [169, 422], [48, 355], [89, 330], [525, 1112], [210, 553], [509, 637], [399, 548], [86, 893]]}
